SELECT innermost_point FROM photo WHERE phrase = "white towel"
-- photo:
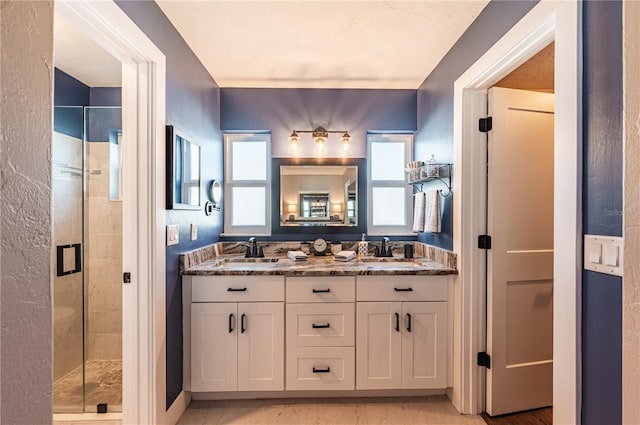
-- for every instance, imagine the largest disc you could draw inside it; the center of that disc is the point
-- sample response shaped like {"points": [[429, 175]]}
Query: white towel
{"points": [[432, 211], [297, 255], [345, 255], [418, 212]]}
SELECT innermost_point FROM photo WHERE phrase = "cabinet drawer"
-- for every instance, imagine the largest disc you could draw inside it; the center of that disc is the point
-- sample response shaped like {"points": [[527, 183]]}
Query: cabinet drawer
{"points": [[237, 288], [333, 289], [320, 325], [320, 368], [402, 288]]}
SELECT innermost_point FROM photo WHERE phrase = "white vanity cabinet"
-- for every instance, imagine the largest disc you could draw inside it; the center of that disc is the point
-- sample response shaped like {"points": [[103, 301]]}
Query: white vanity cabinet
{"points": [[401, 332], [320, 333], [237, 333]]}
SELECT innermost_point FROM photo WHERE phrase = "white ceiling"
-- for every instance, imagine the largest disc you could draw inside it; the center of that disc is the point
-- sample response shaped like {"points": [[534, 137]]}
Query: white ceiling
{"points": [[79, 56], [294, 44], [321, 44]]}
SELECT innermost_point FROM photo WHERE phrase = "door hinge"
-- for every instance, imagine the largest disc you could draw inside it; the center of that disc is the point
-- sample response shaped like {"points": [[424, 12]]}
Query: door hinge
{"points": [[485, 125], [484, 242], [126, 277], [484, 360]]}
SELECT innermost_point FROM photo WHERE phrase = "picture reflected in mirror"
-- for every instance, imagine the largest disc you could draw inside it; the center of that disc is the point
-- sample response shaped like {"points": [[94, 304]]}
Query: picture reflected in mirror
{"points": [[318, 195]]}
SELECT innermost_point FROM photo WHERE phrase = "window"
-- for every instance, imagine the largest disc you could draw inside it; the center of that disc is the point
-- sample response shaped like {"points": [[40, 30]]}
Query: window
{"points": [[248, 184], [389, 196]]}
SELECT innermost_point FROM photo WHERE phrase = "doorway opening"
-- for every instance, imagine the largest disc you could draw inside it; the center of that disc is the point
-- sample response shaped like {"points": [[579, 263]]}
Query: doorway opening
{"points": [[520, 215], [142, 67], [545, 23]]}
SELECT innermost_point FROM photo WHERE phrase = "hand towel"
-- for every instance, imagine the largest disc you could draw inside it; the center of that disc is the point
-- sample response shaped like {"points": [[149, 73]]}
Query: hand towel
{"points": [[345, 255], [297, 255], [432, 211], [418, 212]]}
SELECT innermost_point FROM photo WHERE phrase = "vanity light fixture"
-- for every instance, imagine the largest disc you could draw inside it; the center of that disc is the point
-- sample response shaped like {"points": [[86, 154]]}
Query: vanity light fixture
{"points": [[320, 136]]}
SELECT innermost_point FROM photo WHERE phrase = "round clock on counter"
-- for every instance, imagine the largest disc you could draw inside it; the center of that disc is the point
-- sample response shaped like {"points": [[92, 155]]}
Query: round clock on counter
{"points": [[320, 247]]}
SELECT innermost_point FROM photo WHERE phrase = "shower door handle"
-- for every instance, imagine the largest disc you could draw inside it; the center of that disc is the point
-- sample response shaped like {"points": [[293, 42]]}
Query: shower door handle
{"points": [[77, 267]]}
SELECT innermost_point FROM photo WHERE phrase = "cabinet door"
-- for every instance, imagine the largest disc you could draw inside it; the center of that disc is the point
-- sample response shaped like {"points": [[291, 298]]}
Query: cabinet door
{"points": [[260, 346], [378, 345], [424, 344], [214, 350]]}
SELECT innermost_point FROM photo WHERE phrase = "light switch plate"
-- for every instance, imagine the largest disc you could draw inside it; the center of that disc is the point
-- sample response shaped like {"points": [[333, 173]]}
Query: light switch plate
{"points": [[194, 231], [173, 234], [604, 254]]}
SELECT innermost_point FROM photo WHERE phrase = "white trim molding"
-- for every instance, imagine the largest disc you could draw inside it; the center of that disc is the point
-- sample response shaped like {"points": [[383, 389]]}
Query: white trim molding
{"points": [[143, 121], [547, 21]]}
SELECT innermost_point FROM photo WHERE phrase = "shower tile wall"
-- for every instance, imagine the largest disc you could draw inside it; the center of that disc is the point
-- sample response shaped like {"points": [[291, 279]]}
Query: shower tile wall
{"points": [[67, 215], [103, 252]]}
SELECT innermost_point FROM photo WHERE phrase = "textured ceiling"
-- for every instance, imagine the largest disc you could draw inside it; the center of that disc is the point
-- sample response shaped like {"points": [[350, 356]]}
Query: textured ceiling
{"points": [[79, 56], [535, 74], [321, 44]]}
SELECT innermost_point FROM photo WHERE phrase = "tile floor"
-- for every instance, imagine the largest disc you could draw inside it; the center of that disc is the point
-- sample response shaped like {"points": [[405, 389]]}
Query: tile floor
{"points": [[103, 385], [432, 410]]}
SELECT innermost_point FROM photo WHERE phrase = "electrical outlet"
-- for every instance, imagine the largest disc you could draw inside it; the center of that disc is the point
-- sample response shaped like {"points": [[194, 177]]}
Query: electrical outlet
{"points": [[194, 231], [173, 234]]}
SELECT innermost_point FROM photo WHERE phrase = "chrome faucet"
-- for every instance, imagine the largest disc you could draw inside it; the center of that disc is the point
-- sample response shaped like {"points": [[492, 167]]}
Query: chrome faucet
{"points": [[385, 248], [253, 251]]}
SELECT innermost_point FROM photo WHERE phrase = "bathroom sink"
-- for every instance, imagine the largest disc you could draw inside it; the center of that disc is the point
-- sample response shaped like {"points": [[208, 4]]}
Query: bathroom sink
{"points": [[392, 265], [249, 263], [384, 263]]}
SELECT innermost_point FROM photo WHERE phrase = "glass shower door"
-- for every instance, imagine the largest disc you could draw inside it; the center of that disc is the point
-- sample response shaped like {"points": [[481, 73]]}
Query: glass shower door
{"points": [[87, 259], [67, 252]]}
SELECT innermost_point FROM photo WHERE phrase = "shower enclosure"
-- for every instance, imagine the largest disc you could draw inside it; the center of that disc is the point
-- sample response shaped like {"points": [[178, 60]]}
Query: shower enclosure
{"points": [[87, 259]]}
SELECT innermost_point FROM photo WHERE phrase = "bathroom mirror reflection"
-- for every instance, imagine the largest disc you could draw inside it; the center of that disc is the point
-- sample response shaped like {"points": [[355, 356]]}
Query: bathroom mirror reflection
{"points": [[318, 195], [183, 171]]}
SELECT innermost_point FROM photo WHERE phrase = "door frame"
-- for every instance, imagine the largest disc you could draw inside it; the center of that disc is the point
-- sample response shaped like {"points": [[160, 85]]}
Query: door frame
{"points": [[631, 219], [546, 22], [143, 115]]}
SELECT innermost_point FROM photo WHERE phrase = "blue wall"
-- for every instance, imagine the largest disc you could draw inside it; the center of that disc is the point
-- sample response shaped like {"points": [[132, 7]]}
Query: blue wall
{"points": [[193, 105], [435, 95], [602, 210], [282, 110], [105, 96], [67, 91]]}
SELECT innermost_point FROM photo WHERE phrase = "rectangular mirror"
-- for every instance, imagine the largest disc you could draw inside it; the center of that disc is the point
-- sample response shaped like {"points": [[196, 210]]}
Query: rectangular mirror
{"points": [[319, 195], [183, 171]]}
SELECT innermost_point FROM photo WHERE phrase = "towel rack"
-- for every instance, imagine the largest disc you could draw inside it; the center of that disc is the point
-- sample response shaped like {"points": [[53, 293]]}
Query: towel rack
{"points": [[425, 173]]}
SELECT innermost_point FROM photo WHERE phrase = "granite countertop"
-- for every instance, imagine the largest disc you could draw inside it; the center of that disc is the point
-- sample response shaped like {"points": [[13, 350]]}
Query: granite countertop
{"points": [[235, 265]]}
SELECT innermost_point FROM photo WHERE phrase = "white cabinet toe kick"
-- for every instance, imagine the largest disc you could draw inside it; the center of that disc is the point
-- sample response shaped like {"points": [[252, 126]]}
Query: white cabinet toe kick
{"points": [[315, 336]]}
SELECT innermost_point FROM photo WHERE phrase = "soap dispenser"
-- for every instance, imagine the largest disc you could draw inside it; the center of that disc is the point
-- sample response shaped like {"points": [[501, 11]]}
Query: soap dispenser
{"points": [[363, 246]]}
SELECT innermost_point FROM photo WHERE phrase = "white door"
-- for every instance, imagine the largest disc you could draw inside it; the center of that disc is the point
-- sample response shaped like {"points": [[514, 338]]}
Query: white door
{"points": [[260, 346], [520, 262], [424, 345], [379, 345], [214, 350]]}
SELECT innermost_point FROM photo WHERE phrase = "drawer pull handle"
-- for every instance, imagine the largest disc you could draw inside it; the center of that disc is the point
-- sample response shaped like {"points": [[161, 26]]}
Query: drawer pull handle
{"points": [[408, 322], [403, 289], [231, 323], [321, 291], [397, 322], [242, 323], [325, 370], [314, 326], [236, 289]]}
